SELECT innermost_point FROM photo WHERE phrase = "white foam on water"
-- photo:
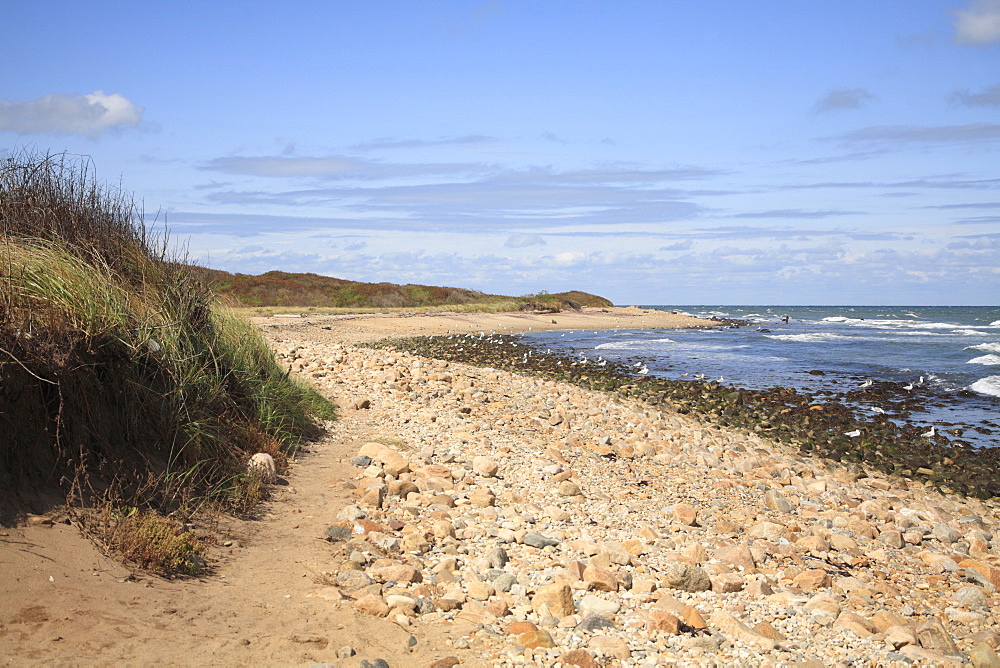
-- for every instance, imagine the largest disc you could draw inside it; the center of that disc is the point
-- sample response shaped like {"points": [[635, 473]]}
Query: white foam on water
{"points": [[814, 337], [966, 332], [995, 323], [663, 341], [986, 347], [989, 385], [618, 345], [985, 359]]}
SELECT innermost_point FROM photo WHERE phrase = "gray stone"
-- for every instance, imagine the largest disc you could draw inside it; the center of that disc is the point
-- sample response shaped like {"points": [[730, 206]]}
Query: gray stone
{"points": [[535, 539], [686, 577], [377, 663], [776, 501], [497, 557], [346, 651], [504, 582], [595, 622], [363, 461], [336, 533]]}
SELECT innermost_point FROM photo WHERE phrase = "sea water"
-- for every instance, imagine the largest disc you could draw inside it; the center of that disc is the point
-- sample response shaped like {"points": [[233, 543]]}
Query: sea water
{"points": [[952, 353]]}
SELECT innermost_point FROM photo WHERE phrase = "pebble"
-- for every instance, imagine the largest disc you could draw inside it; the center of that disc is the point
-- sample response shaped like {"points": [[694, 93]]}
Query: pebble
{"points": [[693, 545]]}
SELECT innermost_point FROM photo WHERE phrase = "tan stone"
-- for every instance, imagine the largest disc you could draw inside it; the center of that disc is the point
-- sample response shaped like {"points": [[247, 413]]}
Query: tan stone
{"points": [[484, 466], [373, 605], [900, 636], [768, 631], [613, 647], [693, 618], [727, 583], [933, 635], [813, 578], [734, 628], [884, 619], [600, 579], [517, 628], [536, 638], [735, 555], [558, 597], [480, 591], [482, 498], [661, 620], [580, 658], [686, 514]]}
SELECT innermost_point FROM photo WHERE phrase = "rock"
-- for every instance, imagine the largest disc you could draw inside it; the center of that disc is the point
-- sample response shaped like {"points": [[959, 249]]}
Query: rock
{"points": [[685, 513], [485, 466], [363, 461], [373, 605], [414, 543], [482, 497], [768, 631], [497, 557], [727, 583], [595, 622], [504, 582], [970, 595], [536, 638], [568, 488], [733, 628], [932, 635], [600, 579], [813, 578], [892, 538], [480, 591], [769, 531], [686, 577], [350, 514], [899, 636], [661, 620], [345, 652], [616, 648], [535, 539], [735, 555], [691, 617], [777, 502], [337, 532], [557, 597], [262, 466], [447, 662], [580, 658], [984, 656], [517, 628]]}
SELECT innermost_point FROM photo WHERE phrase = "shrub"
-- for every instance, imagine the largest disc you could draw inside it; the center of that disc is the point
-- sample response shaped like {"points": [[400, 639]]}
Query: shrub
{"points": [[116, 363]]}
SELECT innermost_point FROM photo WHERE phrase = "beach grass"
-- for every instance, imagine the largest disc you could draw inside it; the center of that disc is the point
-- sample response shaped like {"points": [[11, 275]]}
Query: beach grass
{"points": [[122, 381]]}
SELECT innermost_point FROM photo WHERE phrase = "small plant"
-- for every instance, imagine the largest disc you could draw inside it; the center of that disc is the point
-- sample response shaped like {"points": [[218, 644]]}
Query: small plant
{"points": [[156, 544]]}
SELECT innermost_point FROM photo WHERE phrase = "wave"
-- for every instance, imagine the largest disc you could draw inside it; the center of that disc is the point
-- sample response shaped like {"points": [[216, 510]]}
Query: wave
{"points": [[814, 337], [986, 347], [995, 323], [989, 385], [985, 359], [967, 332]]}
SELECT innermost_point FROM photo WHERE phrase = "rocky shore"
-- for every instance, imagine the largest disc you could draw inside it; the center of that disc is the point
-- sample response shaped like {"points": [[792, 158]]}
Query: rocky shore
{"points": [[543, 523]]}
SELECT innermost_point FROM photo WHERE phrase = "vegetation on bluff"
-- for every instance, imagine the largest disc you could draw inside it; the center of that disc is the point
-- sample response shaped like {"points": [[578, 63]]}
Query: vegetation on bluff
{"points": [[123, 385]]}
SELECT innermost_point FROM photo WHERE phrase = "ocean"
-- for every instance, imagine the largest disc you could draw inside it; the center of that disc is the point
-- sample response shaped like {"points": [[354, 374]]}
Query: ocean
{"points": [[949, 357]]}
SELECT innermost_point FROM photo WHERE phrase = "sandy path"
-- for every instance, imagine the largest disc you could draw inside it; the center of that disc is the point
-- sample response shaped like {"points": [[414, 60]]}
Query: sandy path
{"points": [[63, 603]]}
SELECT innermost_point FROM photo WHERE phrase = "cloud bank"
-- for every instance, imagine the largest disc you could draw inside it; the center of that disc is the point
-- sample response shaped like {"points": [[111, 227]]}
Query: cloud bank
{"points": [[91, 115], [843, 98]]}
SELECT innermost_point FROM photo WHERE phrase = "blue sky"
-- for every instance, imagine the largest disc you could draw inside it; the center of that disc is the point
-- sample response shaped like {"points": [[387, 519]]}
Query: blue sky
{"points": [[669, 152]]}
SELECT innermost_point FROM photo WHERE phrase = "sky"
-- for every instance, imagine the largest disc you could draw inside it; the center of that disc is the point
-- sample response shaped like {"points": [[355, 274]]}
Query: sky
{"points": [[664, 152]]}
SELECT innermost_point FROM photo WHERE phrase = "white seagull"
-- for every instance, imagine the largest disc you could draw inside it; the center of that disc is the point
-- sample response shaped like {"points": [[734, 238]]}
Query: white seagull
{"points": [[876, 409], [853, 434], [867, 383], [908, 387], [929, 433]]}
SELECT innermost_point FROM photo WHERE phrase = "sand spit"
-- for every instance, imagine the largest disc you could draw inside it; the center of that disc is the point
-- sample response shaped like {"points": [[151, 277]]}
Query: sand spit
{"points": [[370, 327], [469, 516]]}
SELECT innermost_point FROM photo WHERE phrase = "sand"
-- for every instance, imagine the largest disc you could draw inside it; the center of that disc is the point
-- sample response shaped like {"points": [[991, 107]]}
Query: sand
{"points": [[269, 599]]}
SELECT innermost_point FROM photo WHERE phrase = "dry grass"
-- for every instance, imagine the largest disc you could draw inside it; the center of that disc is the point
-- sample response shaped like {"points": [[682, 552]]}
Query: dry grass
{"points": [[122, 382]]}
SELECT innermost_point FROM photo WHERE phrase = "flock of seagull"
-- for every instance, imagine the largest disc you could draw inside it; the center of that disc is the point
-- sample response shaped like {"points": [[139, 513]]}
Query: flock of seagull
{"points": [[642, 369], [930, 433]]}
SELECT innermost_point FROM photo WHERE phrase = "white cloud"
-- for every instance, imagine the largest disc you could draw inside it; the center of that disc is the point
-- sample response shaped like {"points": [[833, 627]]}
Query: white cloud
{"points": [[843, 98], [91, 115], [979, 24]]}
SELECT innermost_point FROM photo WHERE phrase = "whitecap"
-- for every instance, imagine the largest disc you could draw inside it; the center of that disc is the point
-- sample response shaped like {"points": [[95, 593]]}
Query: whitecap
{"points": [[663, 341], [618, 345], [986, 347], [989, 385], [985, 359], [966, 332], [995, 323], [814, 337]]}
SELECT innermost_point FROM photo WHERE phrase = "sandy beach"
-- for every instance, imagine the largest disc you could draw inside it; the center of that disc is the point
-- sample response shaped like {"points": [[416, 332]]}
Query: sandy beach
{"points": [[358, 328], [466, 516]]}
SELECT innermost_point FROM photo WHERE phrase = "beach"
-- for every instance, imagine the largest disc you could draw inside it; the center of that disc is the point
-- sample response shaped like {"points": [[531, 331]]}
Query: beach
{"points": [[461, 515]]}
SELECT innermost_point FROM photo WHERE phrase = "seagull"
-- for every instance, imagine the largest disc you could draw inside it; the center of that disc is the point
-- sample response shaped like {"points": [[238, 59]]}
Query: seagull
{"points": [[853, 434], [929, 433], [867, 383], [700, 376], [643, 371], [876, 409], [908, 387], [921, 381]]}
